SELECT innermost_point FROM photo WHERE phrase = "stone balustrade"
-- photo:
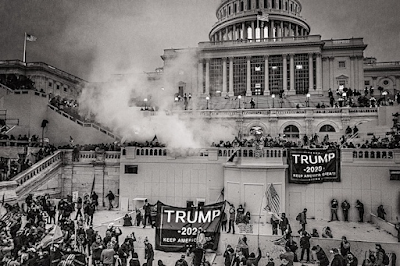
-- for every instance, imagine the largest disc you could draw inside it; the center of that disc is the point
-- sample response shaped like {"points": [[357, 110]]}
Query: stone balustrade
{"points": [[38, 168]]}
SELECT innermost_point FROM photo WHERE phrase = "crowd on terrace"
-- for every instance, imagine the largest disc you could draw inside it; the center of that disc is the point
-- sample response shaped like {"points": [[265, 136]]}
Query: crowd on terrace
{"points": [[17, 82], [46, 232]]}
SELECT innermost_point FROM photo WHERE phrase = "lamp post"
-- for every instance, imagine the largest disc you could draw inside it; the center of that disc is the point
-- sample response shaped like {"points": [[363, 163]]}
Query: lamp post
{"points": [[145, 103], [273, 100], [257, 92], [308, 100], [239, 97], [207, 99], [384, 93]]}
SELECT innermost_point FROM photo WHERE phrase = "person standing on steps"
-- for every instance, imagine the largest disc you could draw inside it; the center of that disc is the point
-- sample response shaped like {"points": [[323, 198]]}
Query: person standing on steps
{"points": [[110, 196]]}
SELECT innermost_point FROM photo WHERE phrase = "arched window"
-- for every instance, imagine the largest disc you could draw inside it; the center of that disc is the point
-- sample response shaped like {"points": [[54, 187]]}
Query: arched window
{"points": [[327, 128], [248, 4], [241, 6], [265, 3], [280, 5], [291, 131]]}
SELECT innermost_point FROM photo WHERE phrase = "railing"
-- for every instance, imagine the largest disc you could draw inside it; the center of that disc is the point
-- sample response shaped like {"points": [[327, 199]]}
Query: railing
{"points": [[82, 124], [393, 63], [38, 168], [246, 13], [314, 38], [41, 65], [373, 154], [151, 151], [340, 42], [251, 152], [99, 156]]}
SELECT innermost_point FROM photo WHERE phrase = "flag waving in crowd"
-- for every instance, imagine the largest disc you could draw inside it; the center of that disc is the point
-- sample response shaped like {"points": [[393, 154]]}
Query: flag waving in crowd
{"points": [[273, 200]]}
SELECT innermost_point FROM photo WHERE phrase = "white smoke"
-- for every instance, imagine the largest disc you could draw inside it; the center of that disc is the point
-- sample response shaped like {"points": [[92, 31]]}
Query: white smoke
{"points": [[118, 106]]}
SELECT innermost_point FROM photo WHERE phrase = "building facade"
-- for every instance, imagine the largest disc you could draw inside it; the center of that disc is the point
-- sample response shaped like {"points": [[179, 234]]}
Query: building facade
{"points": [[264, 47]]}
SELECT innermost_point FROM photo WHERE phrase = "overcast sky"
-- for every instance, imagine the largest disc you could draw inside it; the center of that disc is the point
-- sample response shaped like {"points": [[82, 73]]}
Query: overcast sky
{"points": [[96, 38]]}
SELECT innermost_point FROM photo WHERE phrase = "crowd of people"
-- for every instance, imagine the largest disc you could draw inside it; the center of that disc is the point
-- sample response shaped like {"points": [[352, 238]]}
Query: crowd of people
{"points": [[17, 82]]}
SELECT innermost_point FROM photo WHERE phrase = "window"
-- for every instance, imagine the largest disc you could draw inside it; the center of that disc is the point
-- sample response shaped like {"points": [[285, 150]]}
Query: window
{"points": [[280, 5], [257, 4], [286, 6], [235, 8], [229, 10], [367, 83], [273, 4], [385, 82], [291, 132], [50, 84], [265, 3], [327, 128], [275, 66], [257, 64], [131, 169], [65, 89], [248, 4], [239, 75], [301, 73], [342, 82], [58, 87], [215, 76], [241, 6], [342, 64]]}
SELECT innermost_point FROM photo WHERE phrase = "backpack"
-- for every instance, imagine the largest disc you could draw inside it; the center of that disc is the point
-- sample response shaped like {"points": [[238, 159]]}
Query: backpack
{"points": [[298, 217], [385, 259]]}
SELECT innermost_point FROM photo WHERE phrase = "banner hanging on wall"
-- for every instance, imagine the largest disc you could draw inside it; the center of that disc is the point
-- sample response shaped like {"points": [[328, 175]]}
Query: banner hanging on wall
{"points": [[178, 228], [314, 165]]}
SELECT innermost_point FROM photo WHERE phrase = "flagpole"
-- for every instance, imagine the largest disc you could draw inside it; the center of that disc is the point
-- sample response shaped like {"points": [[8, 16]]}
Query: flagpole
{"points": [[259, 217], [24, 56]]}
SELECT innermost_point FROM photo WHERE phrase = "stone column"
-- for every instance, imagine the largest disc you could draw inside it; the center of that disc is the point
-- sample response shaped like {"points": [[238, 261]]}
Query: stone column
{"points": [[374, 84], [224, 88], [248, 79], [397, 84], [361, 72], [262, 31], [292, 89], [271, 29], [310, 72], [318, 63], [266, 79], [244, 30], [331, 73], [297, 31], [234, 33], [352, 73], [200, 78], [356, 72], [284, 76], [220, 36], [231, 93], [253, 31], [281, 30], [207, 77]]}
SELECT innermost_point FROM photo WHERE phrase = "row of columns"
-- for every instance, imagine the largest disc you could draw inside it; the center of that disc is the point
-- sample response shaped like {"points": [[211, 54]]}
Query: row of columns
{"points": [[356, 75], [289, 91], [276, 29]]}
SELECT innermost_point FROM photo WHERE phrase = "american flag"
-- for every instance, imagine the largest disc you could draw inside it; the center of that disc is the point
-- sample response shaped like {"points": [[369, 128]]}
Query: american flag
{"points": [[30, 38], [273, 200], [262, 16]]}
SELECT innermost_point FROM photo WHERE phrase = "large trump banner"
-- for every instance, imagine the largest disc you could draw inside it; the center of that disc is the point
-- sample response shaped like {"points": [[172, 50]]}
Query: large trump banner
{"points": [[314, 165], [177, 228]]}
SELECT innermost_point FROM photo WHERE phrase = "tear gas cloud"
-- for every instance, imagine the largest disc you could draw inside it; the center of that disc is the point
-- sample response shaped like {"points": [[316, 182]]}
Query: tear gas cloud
{"points": [[117, 105]]}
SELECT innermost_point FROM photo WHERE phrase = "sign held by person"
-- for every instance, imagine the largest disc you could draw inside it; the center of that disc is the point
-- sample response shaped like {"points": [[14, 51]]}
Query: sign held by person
{"points": [[178, 228]]}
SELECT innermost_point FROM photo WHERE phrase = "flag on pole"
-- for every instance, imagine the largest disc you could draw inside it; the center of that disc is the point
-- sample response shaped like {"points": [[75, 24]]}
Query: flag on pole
{"points": [[30, 38], [233, 155], [273, 200], [262, 17], [91, 191], [54, 236]]}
